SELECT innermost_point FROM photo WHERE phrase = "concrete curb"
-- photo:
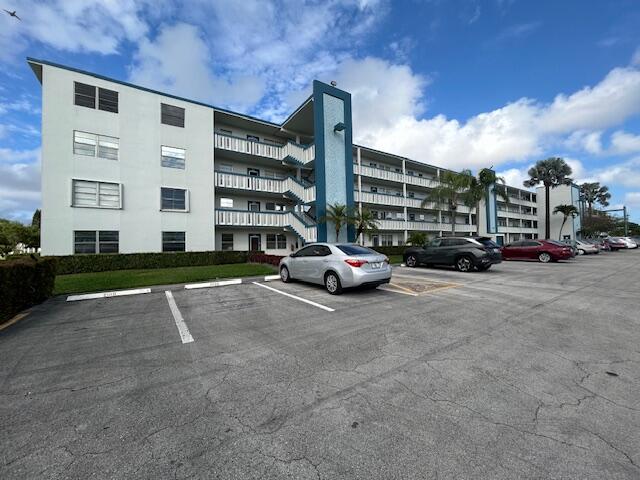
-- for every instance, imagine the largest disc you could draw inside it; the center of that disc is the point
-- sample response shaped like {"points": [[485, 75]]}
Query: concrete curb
{"points": [[14, 320], [179, 286]]}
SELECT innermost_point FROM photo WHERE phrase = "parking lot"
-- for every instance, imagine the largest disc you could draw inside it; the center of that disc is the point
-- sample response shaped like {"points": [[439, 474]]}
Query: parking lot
{"points": [[528, 370]]}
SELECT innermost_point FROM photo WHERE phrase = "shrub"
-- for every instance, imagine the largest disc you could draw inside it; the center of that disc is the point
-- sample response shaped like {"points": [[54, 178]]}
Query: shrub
{"points": [[24, 283], [264, 258], [397, 250], [131, 261]]}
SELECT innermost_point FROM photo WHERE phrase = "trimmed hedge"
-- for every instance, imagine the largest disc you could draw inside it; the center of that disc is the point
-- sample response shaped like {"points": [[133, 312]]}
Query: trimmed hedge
{"points": [[24, 283], [264, 258], [137, 261], [397, 250]]}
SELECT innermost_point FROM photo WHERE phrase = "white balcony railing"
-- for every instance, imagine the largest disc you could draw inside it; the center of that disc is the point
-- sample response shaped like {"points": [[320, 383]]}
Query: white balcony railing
{"points": [[297, 152], [378, 173], [264, 184], [421, 181], [379, 198], [244, 218]]}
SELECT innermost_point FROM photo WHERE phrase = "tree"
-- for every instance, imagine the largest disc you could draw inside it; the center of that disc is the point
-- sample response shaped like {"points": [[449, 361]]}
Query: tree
{"points": [[450, 191], [552, 173], [600, 223], [417, 238], [364, 221], [35, 220], [567, 211], [594, 193], [478, 187], [11, 233], [337, 214]]}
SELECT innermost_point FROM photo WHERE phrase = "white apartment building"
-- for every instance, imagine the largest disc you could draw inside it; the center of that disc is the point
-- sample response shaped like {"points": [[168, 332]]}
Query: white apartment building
{"points": [[127, 169]]}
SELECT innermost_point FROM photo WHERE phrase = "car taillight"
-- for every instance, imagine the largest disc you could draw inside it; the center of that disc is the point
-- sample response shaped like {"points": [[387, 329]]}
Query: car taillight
{"points": [[355, 263]]}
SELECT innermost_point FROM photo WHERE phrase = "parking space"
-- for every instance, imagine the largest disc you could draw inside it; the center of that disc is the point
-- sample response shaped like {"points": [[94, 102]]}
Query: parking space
{"points": [[523, 371]]}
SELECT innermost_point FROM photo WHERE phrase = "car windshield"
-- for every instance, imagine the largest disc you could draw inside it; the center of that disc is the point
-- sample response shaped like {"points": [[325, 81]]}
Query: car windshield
{"points": [[356, 250], [487, 242]]}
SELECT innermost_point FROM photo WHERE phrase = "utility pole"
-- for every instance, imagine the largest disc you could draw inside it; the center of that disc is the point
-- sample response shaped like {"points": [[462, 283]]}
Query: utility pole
{"points": [[624, 216]]}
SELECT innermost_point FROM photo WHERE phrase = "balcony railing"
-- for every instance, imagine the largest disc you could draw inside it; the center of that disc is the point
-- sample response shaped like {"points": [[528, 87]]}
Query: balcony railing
{"points": [[392, 176], [298, 153], [379, 198], [245, 218], [288, 185]]}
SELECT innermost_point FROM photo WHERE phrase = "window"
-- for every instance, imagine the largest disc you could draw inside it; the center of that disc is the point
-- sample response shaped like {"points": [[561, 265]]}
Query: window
{"points": [[227, 241], [85, 241], [272, 206], [171, 115], [398, 170], [374, 189], [305, 252], [411, 173], [173, 157], [386, 240], [86, 193], [276, 241], [93, 145], [253, 206], [225, 167], [411, 194], [173, 241], [373, 165], [412, 217], [225, 131], [174, 199], [355, 250], [320, 251], [107, 100], [226, 203], [84, 95], [253, 138]]}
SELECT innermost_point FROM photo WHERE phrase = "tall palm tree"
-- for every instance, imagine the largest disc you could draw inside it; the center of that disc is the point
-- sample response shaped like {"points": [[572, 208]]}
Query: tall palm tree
{"points": [[594, 193], [338, 214], [450, 191], [478, 187], [364, 221], [417, 238], [567, 211], [552, 173]]}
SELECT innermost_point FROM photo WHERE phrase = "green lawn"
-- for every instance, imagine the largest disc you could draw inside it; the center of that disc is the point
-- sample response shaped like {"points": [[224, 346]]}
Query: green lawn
{"points": [[395, 259], [101, 281]]}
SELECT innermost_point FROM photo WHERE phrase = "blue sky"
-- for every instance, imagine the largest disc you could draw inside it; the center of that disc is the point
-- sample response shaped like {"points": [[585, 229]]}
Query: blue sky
{"points": [[457, 83]]}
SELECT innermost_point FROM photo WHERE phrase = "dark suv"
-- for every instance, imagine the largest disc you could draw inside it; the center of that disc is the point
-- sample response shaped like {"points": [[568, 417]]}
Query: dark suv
{"points": [[465, 253]]}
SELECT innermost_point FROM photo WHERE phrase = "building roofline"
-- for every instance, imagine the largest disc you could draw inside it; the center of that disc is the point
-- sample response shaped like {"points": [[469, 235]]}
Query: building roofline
{"points": [[36, 61]]}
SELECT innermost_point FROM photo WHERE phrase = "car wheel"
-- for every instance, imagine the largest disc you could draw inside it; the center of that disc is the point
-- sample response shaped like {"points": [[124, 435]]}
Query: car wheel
{"points": [[464, 264], [581, 252], [332, 283], [284, 275], [544, 257], [411, 261]]}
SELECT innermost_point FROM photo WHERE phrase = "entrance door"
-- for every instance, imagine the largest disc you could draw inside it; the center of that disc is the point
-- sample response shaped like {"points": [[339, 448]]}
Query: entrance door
{"points": [[255, 242]]}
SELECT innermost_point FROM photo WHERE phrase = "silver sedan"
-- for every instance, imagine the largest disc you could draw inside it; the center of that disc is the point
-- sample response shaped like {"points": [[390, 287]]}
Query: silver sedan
{"points": [[336, 266]]}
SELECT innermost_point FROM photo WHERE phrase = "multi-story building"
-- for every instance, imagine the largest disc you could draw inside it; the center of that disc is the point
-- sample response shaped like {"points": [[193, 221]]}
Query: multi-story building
{"points": [[128, 169]]}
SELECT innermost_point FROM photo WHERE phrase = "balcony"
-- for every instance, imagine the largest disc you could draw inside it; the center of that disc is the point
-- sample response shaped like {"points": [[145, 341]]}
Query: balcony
{"points": [[298, 154], [421, 181], [378, 173], [286, 186], [379, 198], [285, 220]]}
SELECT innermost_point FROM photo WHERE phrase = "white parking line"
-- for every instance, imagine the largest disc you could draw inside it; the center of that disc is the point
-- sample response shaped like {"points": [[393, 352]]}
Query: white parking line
{"points": [[177, 317], [323, 307], [118, 293], [268, 278], [220, 283]]}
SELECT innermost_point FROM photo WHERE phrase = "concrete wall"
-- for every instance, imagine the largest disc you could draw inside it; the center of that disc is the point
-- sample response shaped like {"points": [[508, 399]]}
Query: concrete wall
{"points": [[562, 195], [141, 135]]}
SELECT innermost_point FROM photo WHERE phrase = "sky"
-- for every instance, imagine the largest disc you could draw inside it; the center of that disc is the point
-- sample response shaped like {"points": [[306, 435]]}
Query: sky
{"points": [[454, 83]]}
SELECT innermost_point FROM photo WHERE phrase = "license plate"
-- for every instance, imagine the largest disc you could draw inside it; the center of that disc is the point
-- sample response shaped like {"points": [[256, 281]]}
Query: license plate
{"points": [[376, 265]]}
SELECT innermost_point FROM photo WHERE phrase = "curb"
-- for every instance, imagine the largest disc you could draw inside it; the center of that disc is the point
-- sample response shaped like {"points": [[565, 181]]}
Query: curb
{"points": [[14, 320], [179, 286]]}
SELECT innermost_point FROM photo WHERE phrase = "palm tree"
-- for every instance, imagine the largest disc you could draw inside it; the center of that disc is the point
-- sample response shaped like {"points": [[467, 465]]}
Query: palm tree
{"points": [[417, 238], [364, 221], [567, 211], [594, 193], [552, 173], [450, 191], [478, 187], [338, 214]]}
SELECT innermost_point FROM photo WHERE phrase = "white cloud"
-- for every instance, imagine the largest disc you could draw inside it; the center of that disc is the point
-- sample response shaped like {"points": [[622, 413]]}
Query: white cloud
{"points": [[623, 142], [515, 176], [626, 174], [73, 25], [177, 60], [19, 183], [632, 199]]}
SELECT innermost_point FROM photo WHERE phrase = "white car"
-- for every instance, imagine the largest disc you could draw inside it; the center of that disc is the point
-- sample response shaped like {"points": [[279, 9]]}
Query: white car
{"points": [[630, 243], [585, 248]]}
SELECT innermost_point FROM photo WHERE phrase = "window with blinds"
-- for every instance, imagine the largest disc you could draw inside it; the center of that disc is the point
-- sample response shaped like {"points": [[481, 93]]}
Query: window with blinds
{"points": [[171, 115], [93, 145], [173, 157], [87, 193], [176, 199]]}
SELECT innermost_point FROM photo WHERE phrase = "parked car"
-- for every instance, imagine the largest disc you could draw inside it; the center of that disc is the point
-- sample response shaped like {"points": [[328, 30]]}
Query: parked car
{"points": [[465, 253], [573, 245], [614, 244], [629, 242], [336, 266], [543, 250], [585, 248]]}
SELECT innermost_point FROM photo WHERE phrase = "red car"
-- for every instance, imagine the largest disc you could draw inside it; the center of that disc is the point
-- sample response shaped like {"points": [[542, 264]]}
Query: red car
{"points": [[543, 250], [614, 244]]}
